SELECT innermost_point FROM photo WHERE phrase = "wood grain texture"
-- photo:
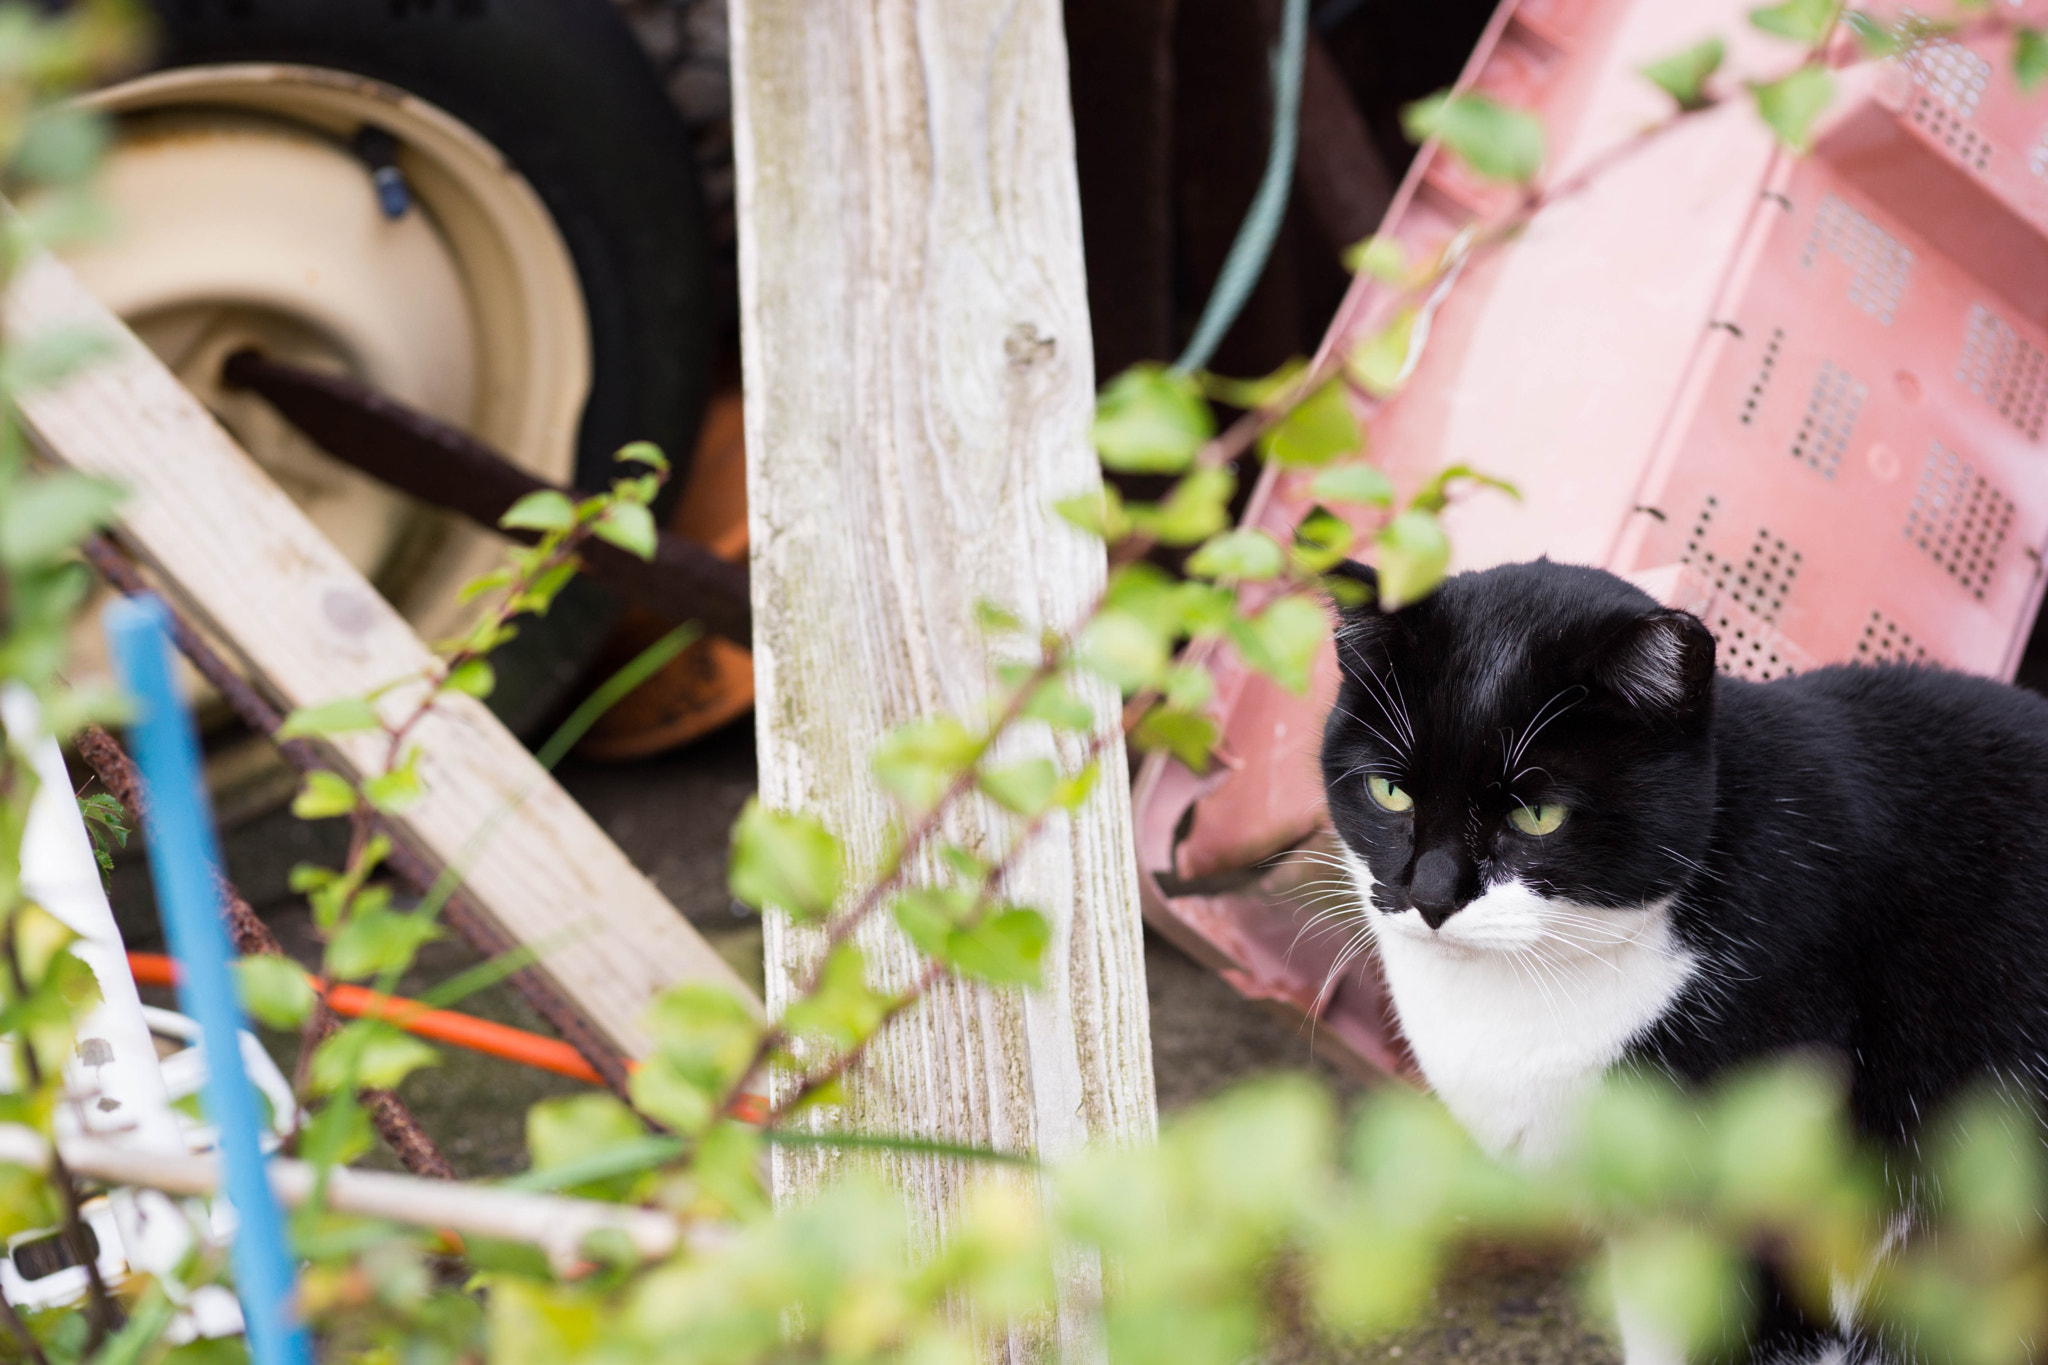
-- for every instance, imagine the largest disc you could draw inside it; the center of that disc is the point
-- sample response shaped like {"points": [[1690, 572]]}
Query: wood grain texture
{"points": [[242, 558], [919, 383]]}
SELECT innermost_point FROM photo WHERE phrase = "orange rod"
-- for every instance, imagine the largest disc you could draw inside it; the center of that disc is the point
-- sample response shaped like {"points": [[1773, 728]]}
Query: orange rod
{"points": [[446, 1026], [443, 1026]]}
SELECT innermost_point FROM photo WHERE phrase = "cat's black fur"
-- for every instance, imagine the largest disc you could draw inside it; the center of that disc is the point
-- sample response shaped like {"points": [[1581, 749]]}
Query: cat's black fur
{"points": [[1858, 856]]}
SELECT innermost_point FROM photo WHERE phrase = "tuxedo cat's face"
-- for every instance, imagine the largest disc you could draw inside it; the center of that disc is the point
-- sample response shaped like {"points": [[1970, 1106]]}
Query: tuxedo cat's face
{"points": [[1521, 757]]}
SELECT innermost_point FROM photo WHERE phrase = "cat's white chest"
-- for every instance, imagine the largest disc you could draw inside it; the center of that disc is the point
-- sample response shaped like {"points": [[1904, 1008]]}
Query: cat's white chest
{"points": [[1518, 1005]]}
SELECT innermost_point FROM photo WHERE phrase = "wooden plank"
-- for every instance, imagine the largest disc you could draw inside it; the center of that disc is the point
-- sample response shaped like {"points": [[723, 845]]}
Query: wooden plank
{"points": [[240, 556], [919, 391]]}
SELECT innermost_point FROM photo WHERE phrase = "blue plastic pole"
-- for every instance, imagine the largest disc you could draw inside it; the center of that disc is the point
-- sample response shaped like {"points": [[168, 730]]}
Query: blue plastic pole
{"points": [[183, 862]]}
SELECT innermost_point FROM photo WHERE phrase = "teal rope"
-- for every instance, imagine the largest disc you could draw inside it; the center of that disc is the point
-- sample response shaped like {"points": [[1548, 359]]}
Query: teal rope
{"points": [[1254, 243]]}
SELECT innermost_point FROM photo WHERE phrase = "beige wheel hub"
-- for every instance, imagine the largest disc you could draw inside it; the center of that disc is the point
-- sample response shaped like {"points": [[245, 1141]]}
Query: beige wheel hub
{"points": [[244, 219]]}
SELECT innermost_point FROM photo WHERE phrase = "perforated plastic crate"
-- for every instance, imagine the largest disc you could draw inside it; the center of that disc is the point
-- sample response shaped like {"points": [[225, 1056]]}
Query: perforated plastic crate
{"points": [[1803, 398]]}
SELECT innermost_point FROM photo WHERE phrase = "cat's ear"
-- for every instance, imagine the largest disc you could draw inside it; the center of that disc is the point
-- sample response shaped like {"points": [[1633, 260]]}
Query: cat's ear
{"points": [[1662, 661], [1353, 588]]}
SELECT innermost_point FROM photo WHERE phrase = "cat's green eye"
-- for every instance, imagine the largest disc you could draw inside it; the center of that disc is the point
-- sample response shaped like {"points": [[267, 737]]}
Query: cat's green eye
{"points": [[1542, 818], [1388, 795]]}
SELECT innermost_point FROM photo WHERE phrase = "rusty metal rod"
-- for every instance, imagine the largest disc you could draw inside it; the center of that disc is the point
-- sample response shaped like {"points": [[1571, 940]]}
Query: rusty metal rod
{"points": [[416, 871], [437, 463], [394, 1121]]}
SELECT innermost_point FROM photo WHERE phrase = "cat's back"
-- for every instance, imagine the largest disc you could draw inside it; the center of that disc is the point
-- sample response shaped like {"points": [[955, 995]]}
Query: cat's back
{"points": [[1882, 846], [1894, 735]]}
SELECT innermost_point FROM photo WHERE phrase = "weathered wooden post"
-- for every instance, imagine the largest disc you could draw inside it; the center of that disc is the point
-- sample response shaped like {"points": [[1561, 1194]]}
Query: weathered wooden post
{"points": [[919, 379]]}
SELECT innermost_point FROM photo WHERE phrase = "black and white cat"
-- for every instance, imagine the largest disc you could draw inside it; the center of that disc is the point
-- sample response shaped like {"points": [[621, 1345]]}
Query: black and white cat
{"points": [[1579, 846]]}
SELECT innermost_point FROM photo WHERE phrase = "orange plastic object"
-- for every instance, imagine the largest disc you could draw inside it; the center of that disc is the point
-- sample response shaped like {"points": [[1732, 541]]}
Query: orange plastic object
{"points": [[443, 1026], [1803, 398], [446, 1026], [711, 683]]}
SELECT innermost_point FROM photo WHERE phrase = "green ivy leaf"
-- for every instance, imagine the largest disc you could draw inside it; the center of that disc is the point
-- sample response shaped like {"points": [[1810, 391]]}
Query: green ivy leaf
{"points": [[928, 915], [1099, 512], [1053, 702], [1004, 949], [1267, 391], [475, 678], [397, 791], [1189, 687], [996, 619], [344, 715], [1188, 736], [1803, 21], [1245, 555], [1413, 555], [1436, 494], [1382, 257], [1683, 75], [1496, 141], [1319, 429], [1353, 482], [541, 510], [1687, 1283], [370, 944], [1025, 788], [44, 518], [703, 1038], [1122, 648], [1379, 364], [338, 1134], [1282, 640], [1877, 38], [1151, 420], [1790, 105], [568, 1129], [1321, 541], [323, 796], [844, 1010], [784, 859], [274, 990], [368, 1053], [1073, 792], [2029, 59], [1193, 510], [630, 526], [642, 452], [917, 762]]}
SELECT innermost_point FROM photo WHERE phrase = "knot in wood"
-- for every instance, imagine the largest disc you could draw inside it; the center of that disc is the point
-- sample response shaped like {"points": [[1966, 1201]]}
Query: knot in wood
{"points": [[1025, 347]]}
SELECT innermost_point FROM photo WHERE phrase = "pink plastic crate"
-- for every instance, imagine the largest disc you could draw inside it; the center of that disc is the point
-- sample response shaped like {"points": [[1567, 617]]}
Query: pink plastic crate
{"points": [[1803, 398]]}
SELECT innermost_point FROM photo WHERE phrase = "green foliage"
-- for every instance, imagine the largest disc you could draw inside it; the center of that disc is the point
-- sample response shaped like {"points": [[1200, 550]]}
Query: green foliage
{"points": [[1495, 140], [323, 795], [1414, 554], [342, 716], [786, 860], [1151, 420], [1245, 556], [1359, 484], [1317, 429], [106, 821], [274, 991], [2030, 59], [918, 762], [1683, 75], [1380, 363], [1383, 258], [1803, 21], [1790, 104]]}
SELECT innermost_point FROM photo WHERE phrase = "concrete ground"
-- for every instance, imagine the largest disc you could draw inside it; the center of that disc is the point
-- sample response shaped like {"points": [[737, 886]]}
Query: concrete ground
{"points": [[671, 816]]}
